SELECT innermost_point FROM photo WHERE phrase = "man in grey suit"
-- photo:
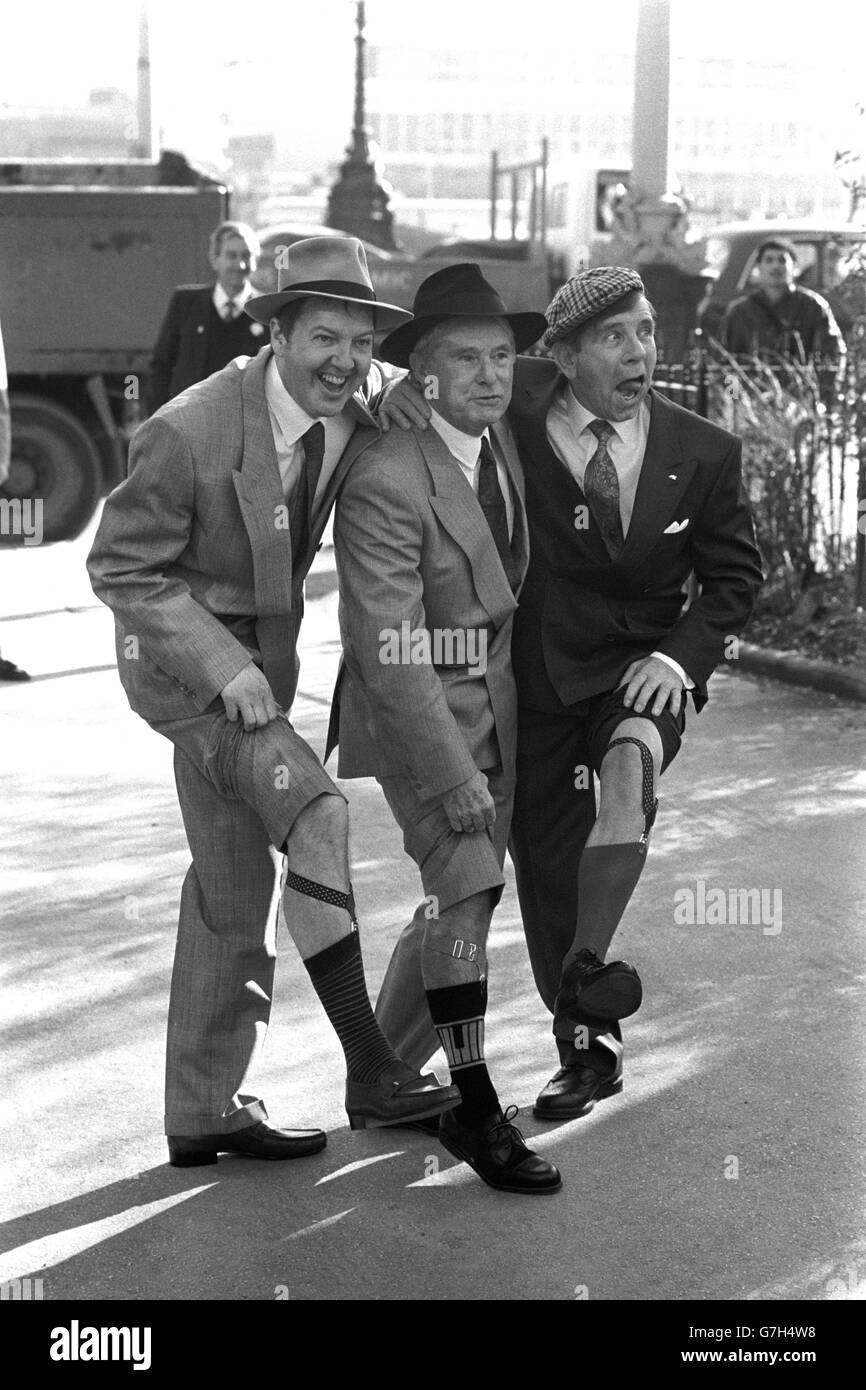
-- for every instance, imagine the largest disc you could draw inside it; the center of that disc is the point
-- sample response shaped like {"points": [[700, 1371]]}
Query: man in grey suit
{"points": [[431, 545], [202, 555]]}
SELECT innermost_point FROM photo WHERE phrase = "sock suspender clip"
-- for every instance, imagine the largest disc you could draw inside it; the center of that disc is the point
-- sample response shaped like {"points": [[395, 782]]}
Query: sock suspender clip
{"points": [[650, 804]]}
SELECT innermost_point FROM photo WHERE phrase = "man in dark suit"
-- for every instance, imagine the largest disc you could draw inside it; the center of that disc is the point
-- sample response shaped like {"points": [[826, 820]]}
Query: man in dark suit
{"points": [[206, 327], [627, 495], [202, 554]]}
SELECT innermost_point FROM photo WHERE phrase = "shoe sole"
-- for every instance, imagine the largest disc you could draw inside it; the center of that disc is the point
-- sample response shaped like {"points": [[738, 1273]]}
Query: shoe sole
{"points": [[610, 1088], [200, 1158], [614, 997], [357, 1121], [456, 1152]]}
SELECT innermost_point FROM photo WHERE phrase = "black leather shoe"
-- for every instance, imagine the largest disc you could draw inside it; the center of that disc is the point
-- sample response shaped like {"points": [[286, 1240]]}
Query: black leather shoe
{"points": [[573, 1091], [10, 672], [498, 1153], [590, 990], [429, 1126], [253, 1141], [394, 1102]]}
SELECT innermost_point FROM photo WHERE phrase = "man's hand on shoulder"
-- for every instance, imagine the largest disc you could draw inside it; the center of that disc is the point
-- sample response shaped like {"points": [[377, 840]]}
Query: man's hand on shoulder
{"points": [[652, 680], [249, 696], [470, 806], [404, 405]]}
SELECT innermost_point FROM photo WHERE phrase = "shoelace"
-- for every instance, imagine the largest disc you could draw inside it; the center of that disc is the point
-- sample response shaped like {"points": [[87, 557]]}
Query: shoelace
{"points": [[508, 1115]]}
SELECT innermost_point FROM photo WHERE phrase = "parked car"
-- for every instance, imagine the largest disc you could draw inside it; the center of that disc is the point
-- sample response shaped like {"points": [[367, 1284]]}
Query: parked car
{"points": [[731, 253]]}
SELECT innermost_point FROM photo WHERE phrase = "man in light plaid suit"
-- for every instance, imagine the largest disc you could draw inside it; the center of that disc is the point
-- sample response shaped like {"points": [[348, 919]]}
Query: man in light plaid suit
{"points": [[202, 555]]}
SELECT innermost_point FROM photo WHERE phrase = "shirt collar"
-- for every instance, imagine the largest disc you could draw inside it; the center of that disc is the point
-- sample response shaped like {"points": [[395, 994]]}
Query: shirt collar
{"points": [[292, 420], [221, 299], [579, 418], [464, 447]]}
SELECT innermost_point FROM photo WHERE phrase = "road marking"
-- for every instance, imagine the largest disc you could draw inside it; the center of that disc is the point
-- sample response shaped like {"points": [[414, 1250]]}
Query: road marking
{"points": [[317, 1225], [359, 1163], [64, 1245]]}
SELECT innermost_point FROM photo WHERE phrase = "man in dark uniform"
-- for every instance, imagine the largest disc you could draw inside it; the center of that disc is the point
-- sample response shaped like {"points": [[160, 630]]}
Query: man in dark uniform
{"points": [[206, 327]]}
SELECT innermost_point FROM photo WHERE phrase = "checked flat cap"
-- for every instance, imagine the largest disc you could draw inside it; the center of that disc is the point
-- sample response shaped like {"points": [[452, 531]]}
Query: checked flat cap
{"points": [[587, 294]]}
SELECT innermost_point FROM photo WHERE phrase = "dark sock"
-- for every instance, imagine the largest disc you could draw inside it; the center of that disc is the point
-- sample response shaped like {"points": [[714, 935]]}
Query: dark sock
{"points": [[606, 878], [458, 1013], [337, 974]]}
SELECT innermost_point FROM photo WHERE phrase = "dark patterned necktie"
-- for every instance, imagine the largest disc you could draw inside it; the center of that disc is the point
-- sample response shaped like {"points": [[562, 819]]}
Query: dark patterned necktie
{"points": [[493, 506], [301, 522], [601, 489]]}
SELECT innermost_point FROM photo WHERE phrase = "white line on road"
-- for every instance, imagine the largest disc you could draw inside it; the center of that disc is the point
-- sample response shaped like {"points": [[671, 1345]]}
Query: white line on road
{"points": [[359, 1163], [64, 1245], [317, 1225]]}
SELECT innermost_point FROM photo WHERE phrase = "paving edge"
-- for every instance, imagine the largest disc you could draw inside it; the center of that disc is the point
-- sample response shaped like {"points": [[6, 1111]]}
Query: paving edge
{"points": [[802, 670]]}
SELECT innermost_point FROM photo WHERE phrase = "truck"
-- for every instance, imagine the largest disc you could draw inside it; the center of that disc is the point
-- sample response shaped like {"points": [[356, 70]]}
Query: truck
{"points": [[547, 220], [89, 256]]}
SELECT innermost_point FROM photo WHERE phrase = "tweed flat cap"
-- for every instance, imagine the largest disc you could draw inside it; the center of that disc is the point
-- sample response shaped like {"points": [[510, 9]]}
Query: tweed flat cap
{"points": [[587, 294]]}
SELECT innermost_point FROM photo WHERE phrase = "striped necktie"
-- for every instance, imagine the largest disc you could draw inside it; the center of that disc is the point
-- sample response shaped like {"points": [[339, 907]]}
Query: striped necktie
{"points": [[493, 506], [601, 489], [301, 521]]}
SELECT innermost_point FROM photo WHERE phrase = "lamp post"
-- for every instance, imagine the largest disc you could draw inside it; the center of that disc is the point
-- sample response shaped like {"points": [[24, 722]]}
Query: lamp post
{"points": [[358, 202], [652, 221]]}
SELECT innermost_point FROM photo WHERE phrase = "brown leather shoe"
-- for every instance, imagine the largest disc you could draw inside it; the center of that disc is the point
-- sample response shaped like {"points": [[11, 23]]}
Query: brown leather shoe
{"points": [[253, 1141], [391, 1101]]}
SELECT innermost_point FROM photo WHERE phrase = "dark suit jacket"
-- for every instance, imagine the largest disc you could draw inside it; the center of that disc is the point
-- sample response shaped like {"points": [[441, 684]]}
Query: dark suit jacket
{"points": [[180, 355], [584, 617]]}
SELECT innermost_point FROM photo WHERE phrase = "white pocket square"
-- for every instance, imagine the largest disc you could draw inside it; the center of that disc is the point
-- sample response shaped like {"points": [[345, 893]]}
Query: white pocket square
{"points": [[674, 527]]}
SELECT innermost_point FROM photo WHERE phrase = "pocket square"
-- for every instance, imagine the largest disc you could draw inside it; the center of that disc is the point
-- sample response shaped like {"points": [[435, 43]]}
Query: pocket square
{"points": [[674, 527]]}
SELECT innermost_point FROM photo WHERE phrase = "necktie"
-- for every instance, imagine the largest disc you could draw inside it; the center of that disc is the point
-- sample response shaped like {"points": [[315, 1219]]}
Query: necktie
{"points": [[301, 522], [601, 489], [493, 506], [230, 311]]}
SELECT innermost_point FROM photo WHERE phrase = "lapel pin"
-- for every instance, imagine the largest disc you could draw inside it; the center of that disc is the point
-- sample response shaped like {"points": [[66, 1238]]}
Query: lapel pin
{"points": [[673, 477]]}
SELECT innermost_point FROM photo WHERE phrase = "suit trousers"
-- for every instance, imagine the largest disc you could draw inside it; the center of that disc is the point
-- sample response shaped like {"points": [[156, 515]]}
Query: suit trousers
{"points": [[554, 812], [236, 821], [454, 866]]}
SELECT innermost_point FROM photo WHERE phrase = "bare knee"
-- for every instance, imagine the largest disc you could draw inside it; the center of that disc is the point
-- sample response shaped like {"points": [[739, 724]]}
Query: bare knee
{"points": [[625, 767], [322, 825]]}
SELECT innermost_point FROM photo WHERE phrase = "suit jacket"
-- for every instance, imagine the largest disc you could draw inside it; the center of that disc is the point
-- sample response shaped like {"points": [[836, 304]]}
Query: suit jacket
{"points": [[415, 552], [191, 554], [584, 617], [180, 355]]}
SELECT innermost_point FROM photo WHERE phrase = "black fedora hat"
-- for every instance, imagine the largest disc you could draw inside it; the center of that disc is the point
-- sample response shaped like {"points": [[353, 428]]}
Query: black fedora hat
{"points": [[457, 292]]}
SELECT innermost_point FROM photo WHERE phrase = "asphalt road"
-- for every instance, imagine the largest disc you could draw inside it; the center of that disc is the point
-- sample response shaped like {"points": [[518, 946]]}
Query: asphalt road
{"points": [[731, 1167]]}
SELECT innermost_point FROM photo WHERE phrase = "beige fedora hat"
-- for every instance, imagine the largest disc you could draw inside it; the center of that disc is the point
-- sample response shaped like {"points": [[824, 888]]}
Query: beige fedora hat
{"points": [[328, 267]]}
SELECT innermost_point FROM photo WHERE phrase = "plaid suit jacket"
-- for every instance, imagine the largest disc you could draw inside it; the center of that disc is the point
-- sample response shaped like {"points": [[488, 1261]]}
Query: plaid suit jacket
{"points": [[188, 554]]}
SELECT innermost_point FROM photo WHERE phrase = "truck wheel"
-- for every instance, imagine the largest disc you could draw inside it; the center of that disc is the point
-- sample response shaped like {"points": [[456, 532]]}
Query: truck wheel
{"points": [[53, 460]]}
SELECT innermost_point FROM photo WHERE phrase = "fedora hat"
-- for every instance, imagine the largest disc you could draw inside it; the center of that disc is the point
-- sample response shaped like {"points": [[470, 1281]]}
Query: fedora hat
{"points": [[328, 267], [457, 292]]}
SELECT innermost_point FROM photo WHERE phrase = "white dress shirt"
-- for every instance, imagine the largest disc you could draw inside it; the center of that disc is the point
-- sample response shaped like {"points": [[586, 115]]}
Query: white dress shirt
{"points": [[288, 423], [574, 444], [221, 299], [466, 449]]}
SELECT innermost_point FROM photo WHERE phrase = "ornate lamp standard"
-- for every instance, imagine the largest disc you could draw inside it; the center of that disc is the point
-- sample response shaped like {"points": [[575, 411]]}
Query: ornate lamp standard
{"points": [[358, 201]]}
